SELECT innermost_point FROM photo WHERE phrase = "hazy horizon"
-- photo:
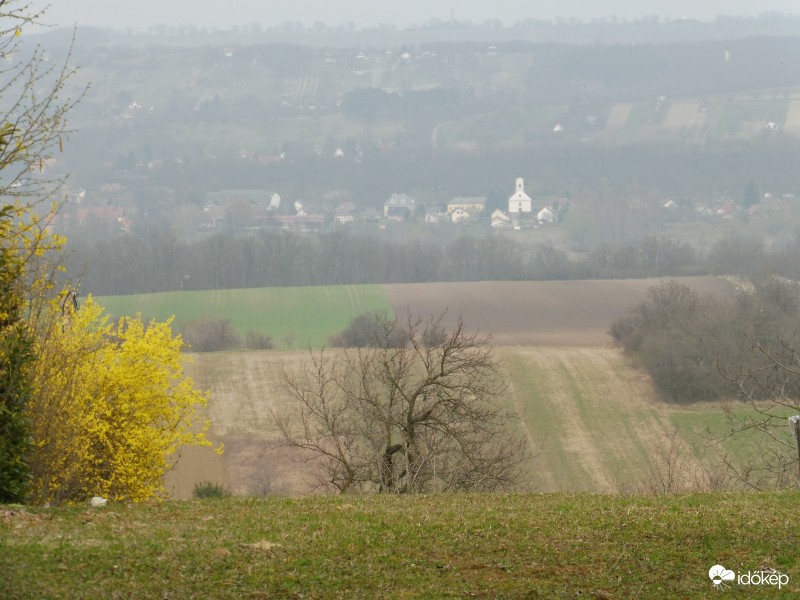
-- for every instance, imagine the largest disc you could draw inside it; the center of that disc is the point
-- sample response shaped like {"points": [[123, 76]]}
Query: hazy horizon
{"points": [[363, 13]]}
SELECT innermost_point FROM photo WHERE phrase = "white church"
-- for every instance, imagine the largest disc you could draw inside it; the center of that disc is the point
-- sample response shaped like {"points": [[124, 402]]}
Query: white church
{"points": [[519, 202]]}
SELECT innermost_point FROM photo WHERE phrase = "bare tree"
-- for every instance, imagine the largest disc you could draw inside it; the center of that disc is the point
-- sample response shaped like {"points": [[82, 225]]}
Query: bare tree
{"points": [[426, 416], [33, 114], [772, 393]]}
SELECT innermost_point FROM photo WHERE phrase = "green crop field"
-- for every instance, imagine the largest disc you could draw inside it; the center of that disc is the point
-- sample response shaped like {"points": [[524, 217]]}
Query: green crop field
{"points": [[589, 414], [636, 119], [705, 430], [301, 315]]}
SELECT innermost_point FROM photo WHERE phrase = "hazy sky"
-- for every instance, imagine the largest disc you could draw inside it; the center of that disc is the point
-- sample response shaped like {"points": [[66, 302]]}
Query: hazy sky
{"points": [[140, 14]]}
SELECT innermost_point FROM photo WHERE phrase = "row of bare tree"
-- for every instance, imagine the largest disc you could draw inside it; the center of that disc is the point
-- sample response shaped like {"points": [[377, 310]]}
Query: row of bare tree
{"points": [[161, 262]]}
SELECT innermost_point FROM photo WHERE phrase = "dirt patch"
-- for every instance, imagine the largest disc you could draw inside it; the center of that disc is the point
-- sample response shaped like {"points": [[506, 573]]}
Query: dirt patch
{"points": [[792, 123], [245, 389], [537, 313], [194, 465], [256, 465], [684, 115], [618, 116]]}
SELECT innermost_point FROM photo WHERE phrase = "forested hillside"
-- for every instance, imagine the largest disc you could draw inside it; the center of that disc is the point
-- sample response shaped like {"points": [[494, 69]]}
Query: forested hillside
{"points": [[703, 116]]}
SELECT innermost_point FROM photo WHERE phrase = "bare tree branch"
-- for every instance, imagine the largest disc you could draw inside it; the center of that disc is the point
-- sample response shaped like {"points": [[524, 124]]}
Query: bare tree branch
{"points": [[420, 416]]}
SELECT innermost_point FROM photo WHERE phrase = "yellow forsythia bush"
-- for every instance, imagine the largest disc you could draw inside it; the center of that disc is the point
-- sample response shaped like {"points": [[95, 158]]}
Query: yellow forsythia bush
{"points": [[110, 407]]}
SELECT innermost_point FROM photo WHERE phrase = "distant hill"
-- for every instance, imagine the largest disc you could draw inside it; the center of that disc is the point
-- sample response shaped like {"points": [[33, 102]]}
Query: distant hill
{"points": [[171, 117]]}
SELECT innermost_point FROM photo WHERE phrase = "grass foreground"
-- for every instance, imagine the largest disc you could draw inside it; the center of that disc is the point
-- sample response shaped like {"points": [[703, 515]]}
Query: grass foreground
{"points": [[438, 546]]}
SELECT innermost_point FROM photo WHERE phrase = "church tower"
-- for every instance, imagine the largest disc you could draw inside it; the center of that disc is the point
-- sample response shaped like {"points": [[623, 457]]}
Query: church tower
{"points": [[519, 202]]}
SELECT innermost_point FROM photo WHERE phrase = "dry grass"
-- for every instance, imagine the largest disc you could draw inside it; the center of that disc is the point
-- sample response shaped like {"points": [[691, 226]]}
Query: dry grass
{"points": [[684, 114], [619, 115], [792, 124], [594, 420]]}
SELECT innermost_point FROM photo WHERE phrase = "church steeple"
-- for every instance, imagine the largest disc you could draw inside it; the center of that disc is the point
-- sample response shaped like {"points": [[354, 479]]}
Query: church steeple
{"points": [[519, 202]]}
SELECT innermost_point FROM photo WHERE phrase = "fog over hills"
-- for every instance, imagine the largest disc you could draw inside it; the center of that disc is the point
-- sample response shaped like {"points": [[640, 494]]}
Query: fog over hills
{"points": [[369, 13]]}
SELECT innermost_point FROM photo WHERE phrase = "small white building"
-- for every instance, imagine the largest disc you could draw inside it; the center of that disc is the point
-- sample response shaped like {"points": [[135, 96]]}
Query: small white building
{"points": [[343, 217], [500, 220], [471, 205], [399, 206], [459, 215], [546, 215], [519, 202]]}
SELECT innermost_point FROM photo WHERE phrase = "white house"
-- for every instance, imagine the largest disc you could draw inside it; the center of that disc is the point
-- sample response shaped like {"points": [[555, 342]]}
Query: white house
{"points": [[546, 215], [400, 206], [459, 215], [471, 205], [519, 202], [344, 217], [500, 220]]}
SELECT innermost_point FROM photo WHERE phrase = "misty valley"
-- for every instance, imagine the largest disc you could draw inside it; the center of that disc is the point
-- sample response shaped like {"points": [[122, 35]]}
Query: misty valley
{"points": [[454, 309]]}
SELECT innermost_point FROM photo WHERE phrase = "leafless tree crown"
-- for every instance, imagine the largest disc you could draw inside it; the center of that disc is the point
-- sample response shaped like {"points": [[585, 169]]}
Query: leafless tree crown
{"points": [[424, 416]]}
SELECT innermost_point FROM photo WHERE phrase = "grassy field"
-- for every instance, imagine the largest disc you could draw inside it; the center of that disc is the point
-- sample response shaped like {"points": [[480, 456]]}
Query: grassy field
{"points": [[595, 423], [441, 546], [592, 417], [295, 317]]}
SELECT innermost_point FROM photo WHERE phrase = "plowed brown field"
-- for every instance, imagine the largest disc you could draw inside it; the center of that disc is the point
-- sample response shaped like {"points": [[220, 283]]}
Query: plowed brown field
{"points": [[537, 313]]}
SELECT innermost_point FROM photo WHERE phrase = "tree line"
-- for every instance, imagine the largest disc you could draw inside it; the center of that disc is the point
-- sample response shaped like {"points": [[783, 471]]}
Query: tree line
{"points": [[161, 262], [742, 353], [703, 347]]}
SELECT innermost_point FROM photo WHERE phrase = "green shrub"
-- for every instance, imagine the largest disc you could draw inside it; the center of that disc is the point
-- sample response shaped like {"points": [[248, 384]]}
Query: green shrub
{"points": [[207, 489], [16, 356]]}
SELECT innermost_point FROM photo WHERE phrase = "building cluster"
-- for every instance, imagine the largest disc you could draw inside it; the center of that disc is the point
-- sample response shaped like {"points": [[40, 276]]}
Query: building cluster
{"points": [[520, 213], [252, 210]]}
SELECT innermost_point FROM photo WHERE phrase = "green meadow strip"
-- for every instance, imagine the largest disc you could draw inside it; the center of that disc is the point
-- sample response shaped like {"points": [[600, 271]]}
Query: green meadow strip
{"points": [[296, 317]]}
